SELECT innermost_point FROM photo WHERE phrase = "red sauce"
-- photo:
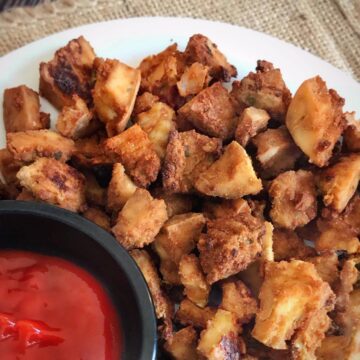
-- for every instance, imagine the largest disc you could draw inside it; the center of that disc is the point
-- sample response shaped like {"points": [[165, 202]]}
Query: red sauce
{"points": [[51, 309]]}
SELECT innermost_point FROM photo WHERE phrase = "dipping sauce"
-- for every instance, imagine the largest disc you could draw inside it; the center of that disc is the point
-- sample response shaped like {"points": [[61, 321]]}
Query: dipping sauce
{"points": [[51, 309]]}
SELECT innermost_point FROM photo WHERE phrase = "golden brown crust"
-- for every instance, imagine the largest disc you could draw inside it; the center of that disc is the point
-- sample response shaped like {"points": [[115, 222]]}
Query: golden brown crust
{"points": [[352, 132], [327, 267], [211, 112], [215, 208], [144, 102], [54, 182], [135, 151], [294, 201], [98, 216], [30, 145], [9, 166], [194, 79]]}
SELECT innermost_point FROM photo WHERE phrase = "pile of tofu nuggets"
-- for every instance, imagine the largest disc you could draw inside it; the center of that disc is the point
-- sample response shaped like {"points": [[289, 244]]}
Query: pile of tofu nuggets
{"points": [[239, 206]]}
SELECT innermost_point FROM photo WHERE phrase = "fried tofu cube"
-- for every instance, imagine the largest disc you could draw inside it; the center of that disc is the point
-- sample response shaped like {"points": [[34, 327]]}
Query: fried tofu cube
{"points": [[352, 132], [276, 151], [120, 189], [339, 182], [288, 245], [251, 122], [177, 237], [140, 220], [164, 309], [327, 266], [211, 112], [134, 150], [30, 145], [285, 309], [191, 314], [114, 94], [315, 120], [351, 214], [214, 208], [22, 110], [187, 155], [194, 79], [230, 245], [68, 73], [176, 204], [294, 202], [202, 50], [237, 298], [220, 339], [193, 279], [55, 183], [99, 217], [157, 123], [76, 120], [231, 176], [94, 193], [144, 102], [9, 166], [182, 345], [265, 89]]}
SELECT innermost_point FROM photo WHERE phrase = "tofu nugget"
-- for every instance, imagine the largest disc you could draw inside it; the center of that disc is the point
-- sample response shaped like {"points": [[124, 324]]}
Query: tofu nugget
{"points": [[33, 144], [68, 73], [134, 150], [327, 266], [194, 79], [140, 220], [231, 176], [293, 197], [22, 110], [144, 102], [211, 112], [264, 89], [230, 245], [114, 93], [339, 182], [9, 166], [315, 120], [99, 217], [54, 182], [352, 132], [291, 294], [215, 208], [187, 155]]}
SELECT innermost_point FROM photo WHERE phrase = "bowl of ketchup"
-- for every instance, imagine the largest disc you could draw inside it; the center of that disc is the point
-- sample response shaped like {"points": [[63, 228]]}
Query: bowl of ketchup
{"points": [[68, 290]]}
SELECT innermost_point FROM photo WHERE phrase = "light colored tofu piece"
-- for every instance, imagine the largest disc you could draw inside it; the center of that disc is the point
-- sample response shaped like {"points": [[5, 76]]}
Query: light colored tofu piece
{"points": [[352, 132], [114, 93], [194, 79], [231, 176], [214, 209], [315, 120], [140, 220], [55, 183], [99, 217], [30, 145], [8, 167]]}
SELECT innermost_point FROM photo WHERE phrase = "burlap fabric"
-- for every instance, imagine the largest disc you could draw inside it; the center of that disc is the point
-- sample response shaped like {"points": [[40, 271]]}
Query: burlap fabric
{"points": [[327, 28]]}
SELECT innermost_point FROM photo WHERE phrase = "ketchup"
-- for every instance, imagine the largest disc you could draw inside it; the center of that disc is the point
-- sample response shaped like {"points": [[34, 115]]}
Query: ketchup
{"points": [[51, 309]]}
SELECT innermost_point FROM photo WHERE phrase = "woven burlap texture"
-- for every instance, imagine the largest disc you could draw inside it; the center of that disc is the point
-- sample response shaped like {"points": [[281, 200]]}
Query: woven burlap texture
{"points": [[327, 28]]}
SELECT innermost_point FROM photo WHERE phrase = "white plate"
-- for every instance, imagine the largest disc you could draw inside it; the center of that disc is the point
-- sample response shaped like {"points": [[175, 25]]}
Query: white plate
{"points": [[132, 39]]}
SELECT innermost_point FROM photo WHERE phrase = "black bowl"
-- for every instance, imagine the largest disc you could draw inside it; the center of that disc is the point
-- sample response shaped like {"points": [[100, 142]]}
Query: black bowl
{"points": [[54, 231]]}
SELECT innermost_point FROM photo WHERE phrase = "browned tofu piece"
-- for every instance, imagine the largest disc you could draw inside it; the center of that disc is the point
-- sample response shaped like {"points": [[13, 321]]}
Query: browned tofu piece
{"points": [[99, 217], [94, 193], [231, 176], [22, 110], [157, 123], [339, 182], [120, 189], [182, 345], [192, 277], [164, 309], [265, 89], [315, 120], [288, 245], [76, 120], [30, 145], [68, 73], [9, 166], [276, 151], [144, 102], [215, 208], [291, 294], [177, 237], [327, 266], [55, 183], [251, 122], [237, 298], [140, 220], [351, 214], [352, 132], [194, 79], [114, 93], [211, 112], [230, 245], [293, 195], [202, 50], [220, 339], [134, 150], [187, 155], [191, 314]]}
